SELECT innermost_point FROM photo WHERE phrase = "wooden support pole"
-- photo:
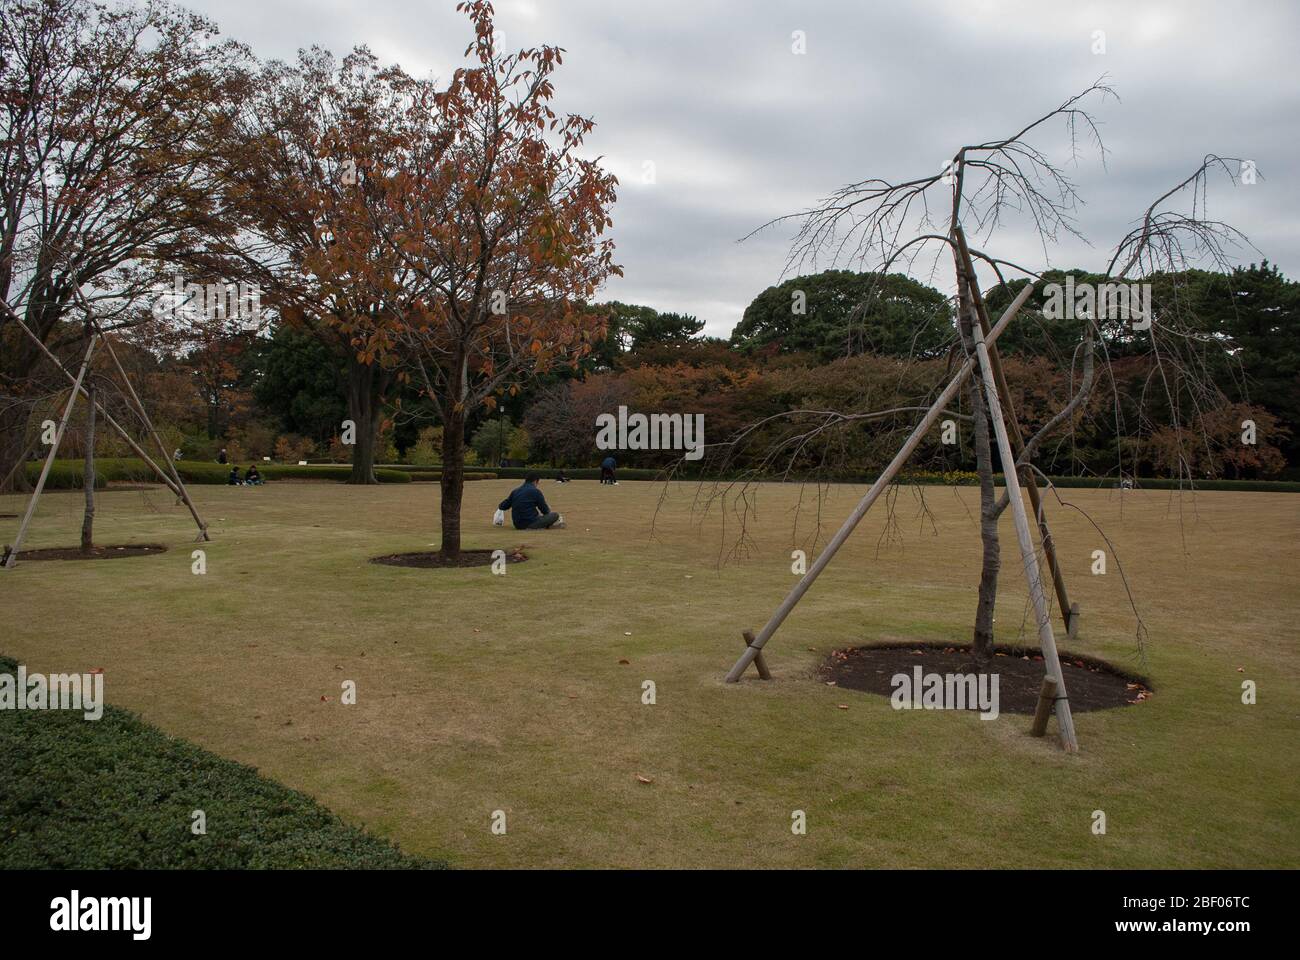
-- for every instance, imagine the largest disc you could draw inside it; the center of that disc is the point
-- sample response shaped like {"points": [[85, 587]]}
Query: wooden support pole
{"points": [[182, 495], [759, 662], [11, 555], [882, 482], [1046, 639], [1046, 700], [1017, 438], [135, 447]]}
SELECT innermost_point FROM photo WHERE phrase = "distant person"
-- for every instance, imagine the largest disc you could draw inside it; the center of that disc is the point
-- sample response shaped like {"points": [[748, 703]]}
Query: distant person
{"points": [[560, 477], [607, 470], [251, 476], [221, 457], [177, 454], [233, 480], [528, 508]]}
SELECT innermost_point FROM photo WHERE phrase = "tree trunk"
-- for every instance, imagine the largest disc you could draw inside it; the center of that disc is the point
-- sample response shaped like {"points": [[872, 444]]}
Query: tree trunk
{"points": [[453, 480], [991, 563], [88, 520], [982, 639], [365, 383]]}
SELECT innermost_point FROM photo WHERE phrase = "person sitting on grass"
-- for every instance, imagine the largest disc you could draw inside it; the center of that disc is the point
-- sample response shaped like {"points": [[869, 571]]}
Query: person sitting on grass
{"points": [[233, 480], [251, 476], [528, 508]]}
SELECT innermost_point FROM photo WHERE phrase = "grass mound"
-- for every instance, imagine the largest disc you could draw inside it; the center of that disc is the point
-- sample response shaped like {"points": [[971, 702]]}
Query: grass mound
{"points": [[117, 793]]}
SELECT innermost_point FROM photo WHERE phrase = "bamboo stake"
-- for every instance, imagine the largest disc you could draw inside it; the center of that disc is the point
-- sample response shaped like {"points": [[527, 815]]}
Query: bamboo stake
{"points": [[104, 413], [882, 482], [1046, 639], [1067, 609], [11, 555], [1046, 700], [759, 662], [183, 493]]}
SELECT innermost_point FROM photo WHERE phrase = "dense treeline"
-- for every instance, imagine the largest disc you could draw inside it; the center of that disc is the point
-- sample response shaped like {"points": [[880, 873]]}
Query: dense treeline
{"points": [[283, 394]]}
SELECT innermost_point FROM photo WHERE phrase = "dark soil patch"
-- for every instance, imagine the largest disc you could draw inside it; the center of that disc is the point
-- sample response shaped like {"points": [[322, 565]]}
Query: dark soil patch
{"points": [[467, 558], [1092, 684], [8, 516], [98, 553]]}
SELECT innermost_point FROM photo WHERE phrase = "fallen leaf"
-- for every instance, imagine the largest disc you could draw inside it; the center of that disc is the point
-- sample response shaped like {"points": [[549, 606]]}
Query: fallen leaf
{"points": [[844, 706], [642, 779], [627, 633], [625, 662]]}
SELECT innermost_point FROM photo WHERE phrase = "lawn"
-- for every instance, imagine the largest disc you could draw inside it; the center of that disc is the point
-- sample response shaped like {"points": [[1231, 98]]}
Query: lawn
{"points": [[478, 693]]}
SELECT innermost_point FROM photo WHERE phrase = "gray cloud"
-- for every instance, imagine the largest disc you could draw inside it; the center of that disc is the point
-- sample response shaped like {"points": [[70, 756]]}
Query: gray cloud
{"points": [[740, 130]]}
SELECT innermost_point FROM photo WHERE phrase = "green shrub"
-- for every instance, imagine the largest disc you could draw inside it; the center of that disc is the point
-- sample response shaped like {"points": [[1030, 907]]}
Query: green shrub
{"points": [[117, 794], [340, 472], [547, 473], [70, 473], [66, 475]]}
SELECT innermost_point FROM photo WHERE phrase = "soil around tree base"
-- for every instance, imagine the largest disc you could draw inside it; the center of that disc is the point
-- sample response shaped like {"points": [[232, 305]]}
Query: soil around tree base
{"points": [[434, 559], [1091, 684], [109, 552]]}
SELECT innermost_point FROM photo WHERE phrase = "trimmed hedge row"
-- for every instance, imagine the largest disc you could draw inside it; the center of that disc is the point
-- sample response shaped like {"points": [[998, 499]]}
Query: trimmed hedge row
{"points": [[70, 474], [426, 475], [959, 478], [117, 794], [547, 473]]}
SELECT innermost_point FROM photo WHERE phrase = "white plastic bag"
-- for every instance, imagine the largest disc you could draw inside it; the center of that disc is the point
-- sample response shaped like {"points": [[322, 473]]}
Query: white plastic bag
{"points": [[499, 518]]}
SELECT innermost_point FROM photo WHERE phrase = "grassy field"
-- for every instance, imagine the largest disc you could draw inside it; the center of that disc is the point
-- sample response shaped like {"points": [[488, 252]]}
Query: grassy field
{"points": [[478, 693]]}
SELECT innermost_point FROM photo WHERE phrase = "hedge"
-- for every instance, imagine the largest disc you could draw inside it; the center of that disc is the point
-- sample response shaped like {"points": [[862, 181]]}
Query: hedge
{"points": [[118, 794], [67, 474], [427, 475], [548, 473]]}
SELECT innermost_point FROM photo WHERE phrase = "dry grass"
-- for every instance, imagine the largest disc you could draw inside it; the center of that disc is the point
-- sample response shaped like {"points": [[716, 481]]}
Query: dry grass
{"points": [[479, 692]]}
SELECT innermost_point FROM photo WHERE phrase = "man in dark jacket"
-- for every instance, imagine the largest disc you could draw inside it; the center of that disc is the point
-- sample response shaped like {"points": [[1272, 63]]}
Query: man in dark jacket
{"points": [[528, 508]]}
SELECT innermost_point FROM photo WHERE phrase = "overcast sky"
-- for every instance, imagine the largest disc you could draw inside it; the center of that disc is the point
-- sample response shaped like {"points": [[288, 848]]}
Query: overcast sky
{"points": [[740, 129]]}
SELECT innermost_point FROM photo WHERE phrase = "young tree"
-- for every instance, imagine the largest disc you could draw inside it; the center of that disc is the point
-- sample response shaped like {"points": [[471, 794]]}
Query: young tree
{"points": [[883, 223], [503, 221]]}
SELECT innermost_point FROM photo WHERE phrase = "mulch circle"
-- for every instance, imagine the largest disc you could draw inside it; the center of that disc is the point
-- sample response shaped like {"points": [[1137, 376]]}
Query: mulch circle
{"points": [[467, 558], [1092, 684], [98, 553]]}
